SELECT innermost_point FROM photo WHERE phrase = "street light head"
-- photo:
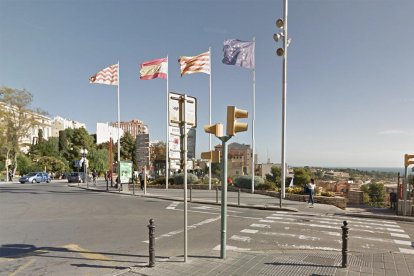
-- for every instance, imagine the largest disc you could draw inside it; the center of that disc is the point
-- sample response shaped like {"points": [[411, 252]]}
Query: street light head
{"points": [[280, 23], [277, 37], [280, 52]]}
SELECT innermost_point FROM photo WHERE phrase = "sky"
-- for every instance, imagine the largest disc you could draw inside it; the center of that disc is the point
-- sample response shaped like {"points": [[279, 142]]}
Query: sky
{"points": [[350, 96]]}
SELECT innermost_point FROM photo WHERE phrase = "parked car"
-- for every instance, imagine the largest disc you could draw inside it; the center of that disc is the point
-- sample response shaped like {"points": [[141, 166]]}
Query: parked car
{"points": [[75, 177], [35, 177]]}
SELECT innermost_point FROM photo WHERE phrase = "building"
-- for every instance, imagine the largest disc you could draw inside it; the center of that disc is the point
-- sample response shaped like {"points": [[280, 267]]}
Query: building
{"points": [[133, 127], [59, 124], [104, 131], [39, 122], [239, 159]]}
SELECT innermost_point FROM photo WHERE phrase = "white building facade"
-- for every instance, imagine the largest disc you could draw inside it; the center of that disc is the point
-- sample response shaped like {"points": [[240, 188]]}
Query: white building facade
{"points": [[104, 131], [59, 124]]}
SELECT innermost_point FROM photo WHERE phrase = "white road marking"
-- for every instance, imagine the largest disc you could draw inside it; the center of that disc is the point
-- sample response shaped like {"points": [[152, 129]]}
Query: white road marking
{"points": [[250, 231], [231, 248], [405, 250], [400, 235], [403, 242], [194, 226], [300, 237], [240, 238], [258, 225], [173, 205]]}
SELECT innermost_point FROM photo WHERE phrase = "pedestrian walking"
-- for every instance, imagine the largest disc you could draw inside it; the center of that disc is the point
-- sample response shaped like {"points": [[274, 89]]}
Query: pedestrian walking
{"points": [[311, 189], [10, 176], [141, 180], [94, 176]]}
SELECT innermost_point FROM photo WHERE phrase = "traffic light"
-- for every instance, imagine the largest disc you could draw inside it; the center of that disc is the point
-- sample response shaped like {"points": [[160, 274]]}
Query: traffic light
{"points": [[232, 125], [216, 129], [213, 156], [407, 160]]}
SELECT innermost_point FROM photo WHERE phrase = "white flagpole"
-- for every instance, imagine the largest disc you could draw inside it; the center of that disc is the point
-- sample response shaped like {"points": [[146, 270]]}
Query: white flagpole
{"points": [[167, 146], [254, 114], [119, 138], [209, 122]]}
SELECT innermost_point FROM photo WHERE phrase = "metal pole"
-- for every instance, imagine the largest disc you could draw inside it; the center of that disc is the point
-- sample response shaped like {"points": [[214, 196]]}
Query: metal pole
{"points": [[184, 131], [345, 244], [167, 146], [151, 230], [216, 194], [405, 182], [145, 180], [119, 135], [191, 192], [209, 122], [398, 193], [284, 86], [253, 119], [224, 199], [110, 159], [238, 197]]}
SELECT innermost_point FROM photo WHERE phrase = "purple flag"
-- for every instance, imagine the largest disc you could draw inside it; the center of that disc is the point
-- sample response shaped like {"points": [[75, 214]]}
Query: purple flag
{"points": [[237, 52]]}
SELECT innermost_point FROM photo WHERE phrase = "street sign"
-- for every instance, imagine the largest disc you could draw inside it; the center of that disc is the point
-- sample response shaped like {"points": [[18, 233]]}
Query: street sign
{"points": [[126, 172], [175, 116], [142, 151]]}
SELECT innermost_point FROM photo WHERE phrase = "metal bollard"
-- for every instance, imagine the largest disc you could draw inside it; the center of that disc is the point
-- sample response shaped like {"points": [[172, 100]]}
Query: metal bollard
{"points": [[191, 193], [151, 228], [216, 194], [345, 229], [238, 197]]}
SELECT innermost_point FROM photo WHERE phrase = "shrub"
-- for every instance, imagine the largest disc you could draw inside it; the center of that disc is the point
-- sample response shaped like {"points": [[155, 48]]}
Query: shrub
{"points": [[295, 190], [214, 181], [267, 186], [191, 178], [328, 194], [245, 181], [159, 180]]}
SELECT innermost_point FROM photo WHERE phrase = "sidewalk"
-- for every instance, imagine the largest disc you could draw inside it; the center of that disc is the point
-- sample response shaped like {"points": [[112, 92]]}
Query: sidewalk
{"points": [[281, 263], [248, 200]]}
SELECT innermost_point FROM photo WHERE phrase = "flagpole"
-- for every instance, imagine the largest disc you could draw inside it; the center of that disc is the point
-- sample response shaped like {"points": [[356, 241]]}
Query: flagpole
{"points": [[209, 122], [167, 146], [254, 115], [119, 139]]}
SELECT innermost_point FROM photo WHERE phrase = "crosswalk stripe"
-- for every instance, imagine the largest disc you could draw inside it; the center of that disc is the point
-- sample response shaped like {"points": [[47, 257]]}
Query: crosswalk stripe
{"points": [[400, 235], [405, 250], [403, 242], [240, 238], [231, 248], [250, 231], [258, 225]]}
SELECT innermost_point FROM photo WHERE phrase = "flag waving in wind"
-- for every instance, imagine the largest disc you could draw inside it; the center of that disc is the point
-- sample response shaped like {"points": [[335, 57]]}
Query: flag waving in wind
{"points": [[152, 69], [196, 64], [237, 52], [108, 76]]}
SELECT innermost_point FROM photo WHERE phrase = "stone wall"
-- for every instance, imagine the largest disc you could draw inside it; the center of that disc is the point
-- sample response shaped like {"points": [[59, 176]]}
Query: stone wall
{"points": [[356, 197]]}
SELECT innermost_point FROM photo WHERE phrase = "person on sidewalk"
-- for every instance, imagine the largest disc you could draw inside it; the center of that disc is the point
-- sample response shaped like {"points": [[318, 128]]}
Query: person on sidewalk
{"points": [[94, 176], [141, 180], [311, 189]]}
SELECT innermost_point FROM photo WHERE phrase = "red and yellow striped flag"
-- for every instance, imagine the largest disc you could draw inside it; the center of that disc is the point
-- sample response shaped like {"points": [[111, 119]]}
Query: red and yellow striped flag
{"points": [[109, 76], [196, 64]]}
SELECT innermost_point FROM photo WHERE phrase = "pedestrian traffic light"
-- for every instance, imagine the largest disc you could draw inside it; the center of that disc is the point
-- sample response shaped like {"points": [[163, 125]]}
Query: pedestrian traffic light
{"points": [[407, 160], [216, 129], [213, 156], [232, 125]]}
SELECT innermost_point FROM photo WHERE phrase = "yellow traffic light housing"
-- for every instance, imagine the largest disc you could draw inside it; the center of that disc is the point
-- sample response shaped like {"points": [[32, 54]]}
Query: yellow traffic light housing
{"points": [[407, 160], [233, 126], [216, 129], [213, 156]]}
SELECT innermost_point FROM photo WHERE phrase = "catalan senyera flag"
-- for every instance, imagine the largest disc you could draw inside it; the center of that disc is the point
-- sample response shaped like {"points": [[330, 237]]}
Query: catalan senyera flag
{"points": [[108, 76], [152, 69], [196, 64]]}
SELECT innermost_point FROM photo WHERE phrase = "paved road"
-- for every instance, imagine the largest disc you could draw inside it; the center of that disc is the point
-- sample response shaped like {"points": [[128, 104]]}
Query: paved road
{"points": [[55, 229]]}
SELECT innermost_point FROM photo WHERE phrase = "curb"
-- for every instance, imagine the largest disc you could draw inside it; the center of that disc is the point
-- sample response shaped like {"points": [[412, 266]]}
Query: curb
{"points": [[375, 216], [258, 207]]}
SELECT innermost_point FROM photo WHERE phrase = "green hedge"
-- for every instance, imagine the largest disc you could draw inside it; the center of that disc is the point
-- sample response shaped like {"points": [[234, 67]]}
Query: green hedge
{"points": [[191, 178], [245, 181]]}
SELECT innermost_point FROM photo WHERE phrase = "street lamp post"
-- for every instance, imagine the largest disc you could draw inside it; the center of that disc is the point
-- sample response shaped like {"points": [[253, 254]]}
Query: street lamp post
{"points": [[84, 152]]}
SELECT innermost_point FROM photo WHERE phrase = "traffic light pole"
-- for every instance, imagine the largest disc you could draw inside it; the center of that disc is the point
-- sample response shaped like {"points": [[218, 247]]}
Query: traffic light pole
{"points": [[223, 229]]}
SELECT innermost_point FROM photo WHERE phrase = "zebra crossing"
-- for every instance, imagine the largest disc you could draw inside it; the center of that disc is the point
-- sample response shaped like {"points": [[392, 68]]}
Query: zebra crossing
{"points": [[284, 230]]}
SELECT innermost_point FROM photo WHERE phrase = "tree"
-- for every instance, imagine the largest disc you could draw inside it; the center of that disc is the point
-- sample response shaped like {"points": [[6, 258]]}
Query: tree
{"points": [[127, 147], [376, 192], [99, 160], [45, 148], [157, 151], [16, 120], [275, 175], [302, 176]]}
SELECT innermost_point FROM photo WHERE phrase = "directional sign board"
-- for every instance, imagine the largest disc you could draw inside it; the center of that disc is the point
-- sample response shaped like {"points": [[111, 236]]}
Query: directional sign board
{"points": [[142, 150], [175, 143]]}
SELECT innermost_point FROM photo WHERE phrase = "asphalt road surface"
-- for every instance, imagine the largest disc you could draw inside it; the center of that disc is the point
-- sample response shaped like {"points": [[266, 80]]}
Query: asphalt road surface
{"points": [[58, 230]]}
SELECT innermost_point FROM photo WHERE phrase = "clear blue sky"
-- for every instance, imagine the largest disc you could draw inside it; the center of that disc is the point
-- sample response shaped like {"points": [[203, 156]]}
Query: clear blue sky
{"points": [[350, 73]]}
